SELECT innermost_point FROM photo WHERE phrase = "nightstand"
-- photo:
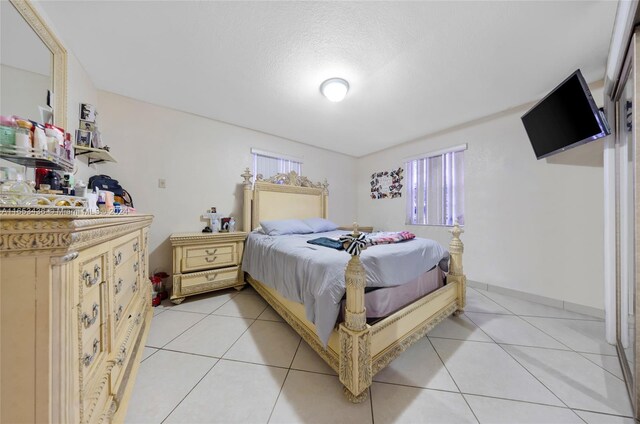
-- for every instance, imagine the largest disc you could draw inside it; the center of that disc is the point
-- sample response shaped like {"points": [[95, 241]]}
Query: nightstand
{"points": [[203, 262]]}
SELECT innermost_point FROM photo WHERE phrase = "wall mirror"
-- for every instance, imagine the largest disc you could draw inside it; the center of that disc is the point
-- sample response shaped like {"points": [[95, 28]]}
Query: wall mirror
{"points": [[33, 61]]}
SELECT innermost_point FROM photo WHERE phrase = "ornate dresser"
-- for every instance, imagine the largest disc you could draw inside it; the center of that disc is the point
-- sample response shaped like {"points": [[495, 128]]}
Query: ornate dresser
{"points": [[75, 311]]}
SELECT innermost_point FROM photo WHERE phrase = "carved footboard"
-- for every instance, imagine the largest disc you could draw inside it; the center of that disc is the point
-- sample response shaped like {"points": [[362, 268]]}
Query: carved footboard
{"points": [[358, 362]]}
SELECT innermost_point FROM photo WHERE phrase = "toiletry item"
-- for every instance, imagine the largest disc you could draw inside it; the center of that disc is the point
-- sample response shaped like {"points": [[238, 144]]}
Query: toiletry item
{"points": [[39, 140], [92, 202], [23, 137], [108, 199], [80, 188], [116, 207], [101, 207], [68, 147], [7, 131]]}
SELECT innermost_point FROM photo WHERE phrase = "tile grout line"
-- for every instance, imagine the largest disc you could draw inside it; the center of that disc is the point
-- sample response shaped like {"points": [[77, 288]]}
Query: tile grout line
{"points": [[189, 392], [525, 368], [496, 397], [542, 304], [273, 408], [543, 331], [452, 379], [593, 362], [181, 333]]}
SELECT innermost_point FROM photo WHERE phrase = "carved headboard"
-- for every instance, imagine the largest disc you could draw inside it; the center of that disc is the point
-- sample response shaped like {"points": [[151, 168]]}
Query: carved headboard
{"points": [[283, 196]]}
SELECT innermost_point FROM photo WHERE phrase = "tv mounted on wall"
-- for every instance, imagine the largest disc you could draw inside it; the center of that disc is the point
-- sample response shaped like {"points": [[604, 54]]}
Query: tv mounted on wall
{"points": [[567, 117]]}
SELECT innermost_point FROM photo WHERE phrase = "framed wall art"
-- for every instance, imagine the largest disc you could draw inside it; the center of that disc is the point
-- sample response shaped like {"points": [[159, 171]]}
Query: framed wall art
{"points": [[387, 184]]}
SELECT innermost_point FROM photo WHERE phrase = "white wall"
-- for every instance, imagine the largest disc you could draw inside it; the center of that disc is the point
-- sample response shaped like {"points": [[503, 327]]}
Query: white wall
{"points": [[201, 160], [80, 89], [533, 226]]}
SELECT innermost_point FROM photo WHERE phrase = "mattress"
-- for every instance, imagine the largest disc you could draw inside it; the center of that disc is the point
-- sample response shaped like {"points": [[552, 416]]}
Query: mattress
{"points": [[384, 301], [315, 275]]}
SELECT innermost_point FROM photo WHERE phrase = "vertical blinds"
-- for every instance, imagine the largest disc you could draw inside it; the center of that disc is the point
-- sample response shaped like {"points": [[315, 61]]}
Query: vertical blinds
{"points": [[269, 164], [435, 193]]}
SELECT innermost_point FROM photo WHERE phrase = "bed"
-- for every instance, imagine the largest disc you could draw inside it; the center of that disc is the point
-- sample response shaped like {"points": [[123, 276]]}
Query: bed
{"points": [[355, 349]]}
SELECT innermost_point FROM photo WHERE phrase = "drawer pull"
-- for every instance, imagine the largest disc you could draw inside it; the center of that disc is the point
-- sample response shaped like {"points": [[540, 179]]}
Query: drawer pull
{"points": [[117, 258], [87, 277], [136, 246], [118, 286], [136, 266], [118, 313], [88, 359], [89, 320], [134, 286], [211, 253], [208, 259], [212, 277]]}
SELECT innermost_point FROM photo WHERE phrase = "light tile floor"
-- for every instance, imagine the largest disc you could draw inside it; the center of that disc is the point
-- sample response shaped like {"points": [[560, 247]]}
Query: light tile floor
{"points": [[227, 357]]}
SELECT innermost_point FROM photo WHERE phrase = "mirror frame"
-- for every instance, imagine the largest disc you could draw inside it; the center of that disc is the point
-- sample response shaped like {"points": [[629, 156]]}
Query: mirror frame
{"points": [[59, 58]]}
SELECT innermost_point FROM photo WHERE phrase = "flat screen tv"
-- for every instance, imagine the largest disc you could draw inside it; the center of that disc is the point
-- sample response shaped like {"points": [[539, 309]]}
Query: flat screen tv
{"points": [[567, 117]]}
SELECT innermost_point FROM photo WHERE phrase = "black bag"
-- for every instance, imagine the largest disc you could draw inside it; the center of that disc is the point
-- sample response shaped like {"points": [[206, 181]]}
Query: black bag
{"points": [[105, 182]]}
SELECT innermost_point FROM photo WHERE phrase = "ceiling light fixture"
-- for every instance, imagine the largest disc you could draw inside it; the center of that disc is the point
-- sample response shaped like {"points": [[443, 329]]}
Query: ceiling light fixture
{"points": [[334, 89]]}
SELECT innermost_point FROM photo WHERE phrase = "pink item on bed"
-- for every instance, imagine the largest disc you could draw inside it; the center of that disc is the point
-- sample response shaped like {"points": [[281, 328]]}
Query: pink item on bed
{"points": [[389, 237]]}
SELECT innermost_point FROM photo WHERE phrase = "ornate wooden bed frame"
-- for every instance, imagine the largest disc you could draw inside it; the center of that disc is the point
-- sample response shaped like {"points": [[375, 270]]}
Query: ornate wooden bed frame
{"points": [[356, 350]]}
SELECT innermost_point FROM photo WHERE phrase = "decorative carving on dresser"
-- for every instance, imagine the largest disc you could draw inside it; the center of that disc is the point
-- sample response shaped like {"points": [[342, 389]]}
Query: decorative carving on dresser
{"points": [[58, 293]]}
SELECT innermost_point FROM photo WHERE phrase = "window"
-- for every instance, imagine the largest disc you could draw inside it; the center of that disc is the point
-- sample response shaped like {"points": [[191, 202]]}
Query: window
{"points": [[269, 164], [435, 188]]}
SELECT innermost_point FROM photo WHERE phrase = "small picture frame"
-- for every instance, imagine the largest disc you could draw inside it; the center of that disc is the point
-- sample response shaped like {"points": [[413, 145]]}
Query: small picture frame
{"points": [[83, 138], [87, 112], [224, 224], [87, 126]]}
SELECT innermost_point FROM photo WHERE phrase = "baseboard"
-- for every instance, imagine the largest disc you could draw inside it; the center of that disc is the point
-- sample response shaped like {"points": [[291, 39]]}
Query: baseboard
{"points": [[556, 303]]}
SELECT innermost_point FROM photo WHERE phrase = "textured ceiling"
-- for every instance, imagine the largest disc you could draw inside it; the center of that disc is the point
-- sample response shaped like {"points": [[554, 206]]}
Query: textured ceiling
{"points": [[414, 67]]}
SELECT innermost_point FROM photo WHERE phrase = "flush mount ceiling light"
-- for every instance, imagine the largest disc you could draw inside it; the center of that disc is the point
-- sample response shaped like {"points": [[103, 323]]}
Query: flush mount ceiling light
{"points": [[334, 89]]}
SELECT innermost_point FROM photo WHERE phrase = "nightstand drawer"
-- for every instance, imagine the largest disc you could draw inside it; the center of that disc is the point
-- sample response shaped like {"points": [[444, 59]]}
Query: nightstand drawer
{"points": [[209, 280], [216, 260], [209, 250]]}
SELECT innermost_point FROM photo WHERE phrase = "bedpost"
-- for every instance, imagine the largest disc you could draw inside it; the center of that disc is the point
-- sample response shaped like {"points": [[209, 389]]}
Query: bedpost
{"points": [[325, 199], [455, 267], [248, 197], [355, 337]]}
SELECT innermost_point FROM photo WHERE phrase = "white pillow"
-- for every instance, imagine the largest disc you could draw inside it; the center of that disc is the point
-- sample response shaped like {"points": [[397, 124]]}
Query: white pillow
{"points": [[285, 226], [320, 225]]}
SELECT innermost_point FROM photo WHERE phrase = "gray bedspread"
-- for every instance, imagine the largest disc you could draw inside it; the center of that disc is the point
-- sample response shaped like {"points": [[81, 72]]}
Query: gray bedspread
{"points": [[314, 275]]}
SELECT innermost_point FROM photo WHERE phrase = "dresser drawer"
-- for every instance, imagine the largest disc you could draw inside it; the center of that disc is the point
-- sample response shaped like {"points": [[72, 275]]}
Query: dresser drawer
{"points": [[95, 397], [92, 273], [209, 280], [125, 249], [122, 308], [209, 250], [125, 344], [91, 313]]}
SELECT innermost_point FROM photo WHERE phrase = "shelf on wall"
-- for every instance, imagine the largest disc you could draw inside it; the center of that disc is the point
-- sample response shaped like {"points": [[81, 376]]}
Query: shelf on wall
{"points": [[33, 158], [94, 155]]}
